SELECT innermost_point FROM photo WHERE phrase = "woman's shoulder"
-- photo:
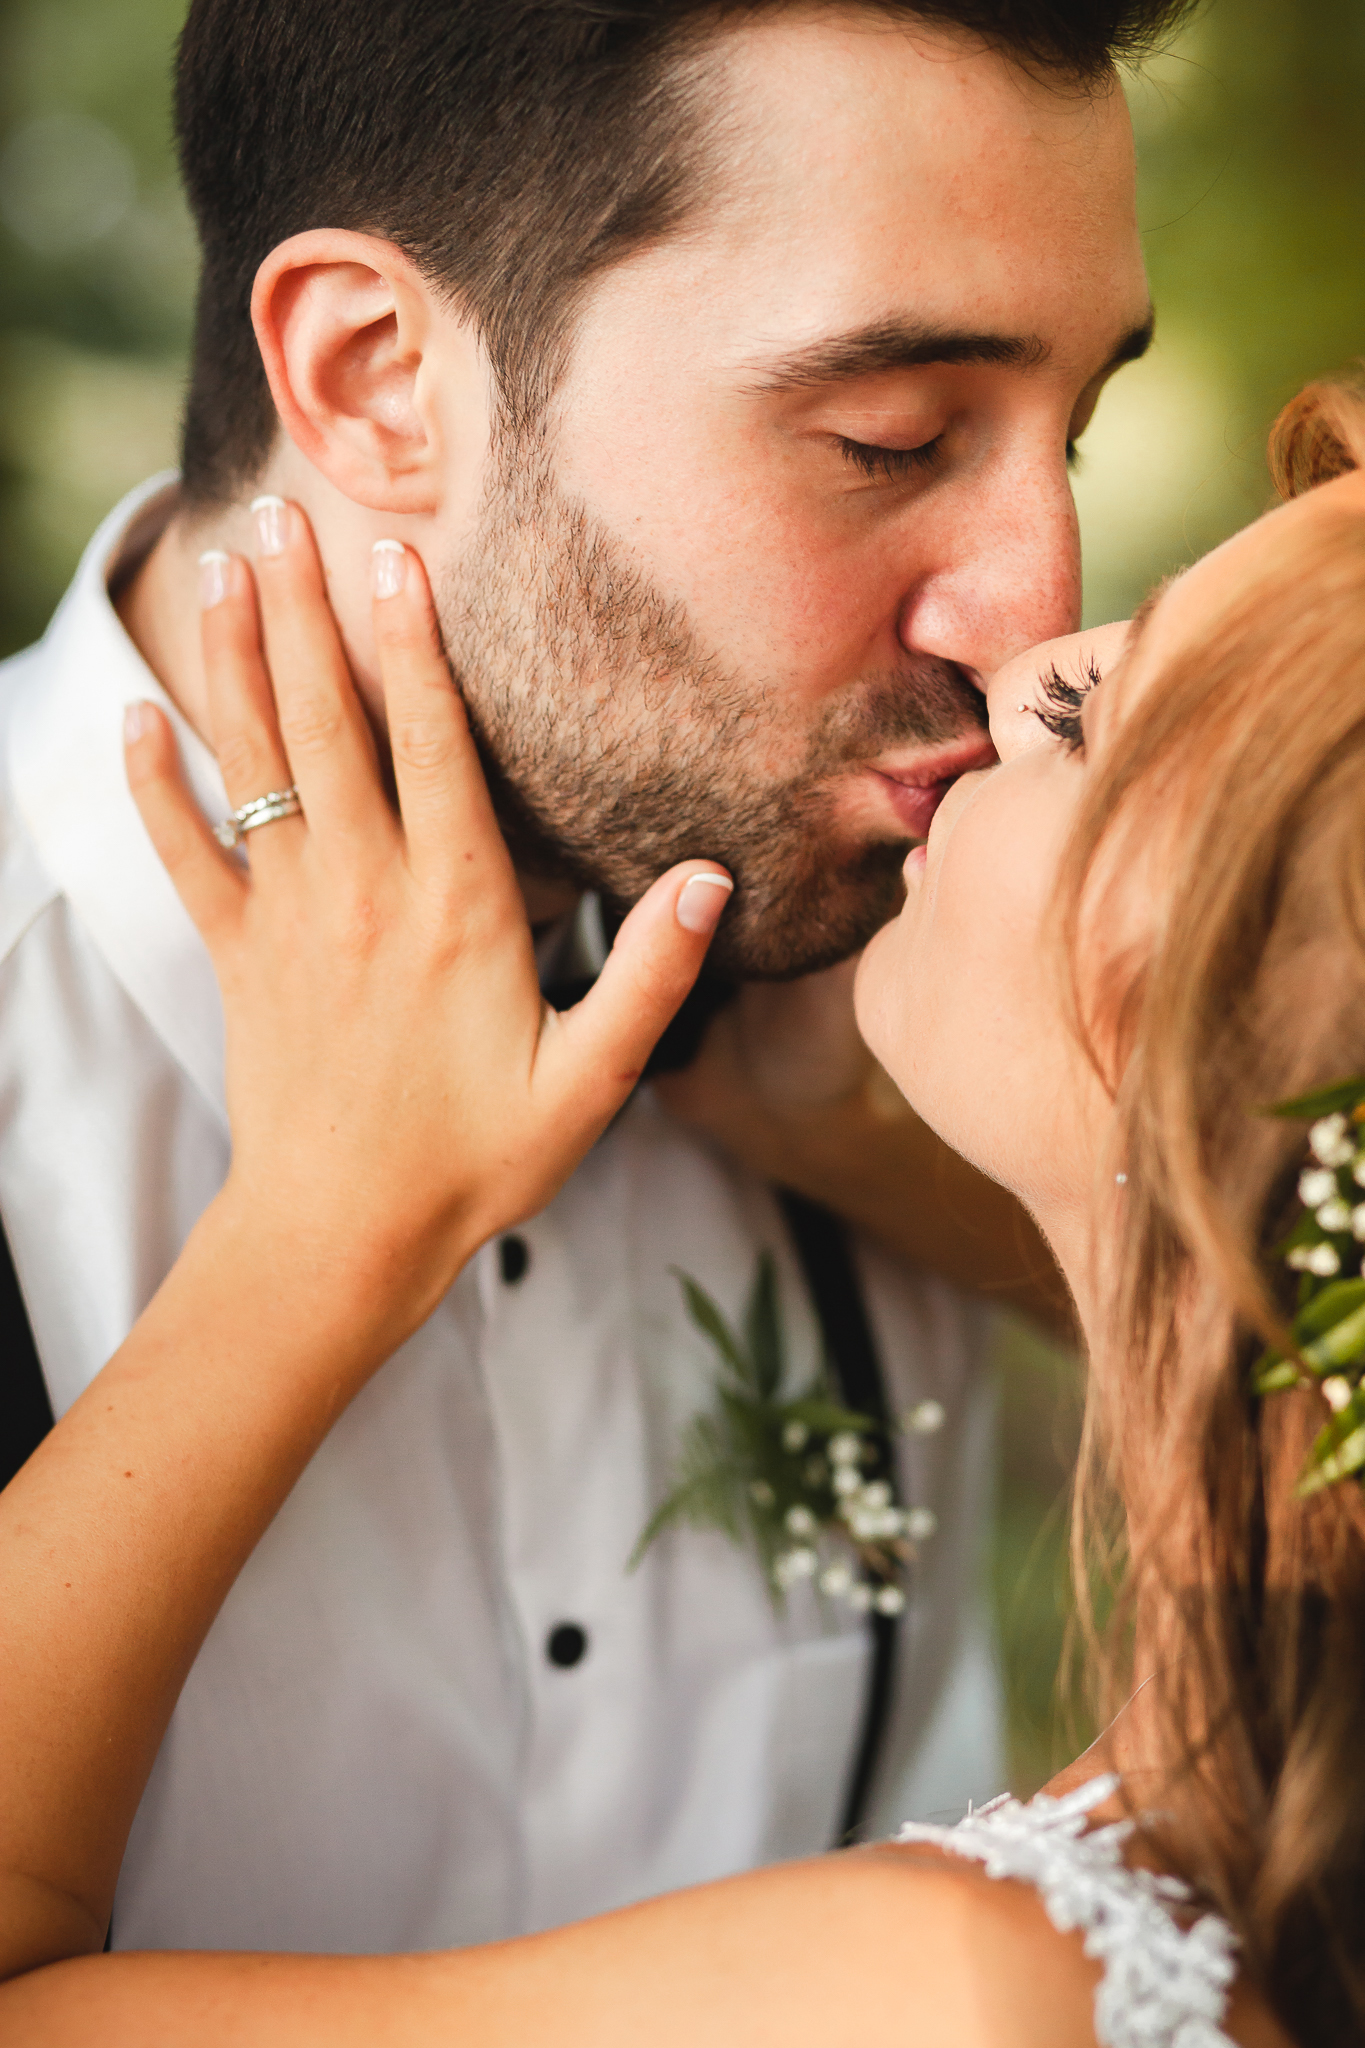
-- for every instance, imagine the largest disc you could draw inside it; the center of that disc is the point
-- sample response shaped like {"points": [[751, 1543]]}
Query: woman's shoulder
{"points": [[1025, 1926], [1075, 1941]]}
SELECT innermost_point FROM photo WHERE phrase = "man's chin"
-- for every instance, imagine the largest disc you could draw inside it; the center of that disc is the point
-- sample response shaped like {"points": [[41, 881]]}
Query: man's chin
{"points": [[783, 937]]}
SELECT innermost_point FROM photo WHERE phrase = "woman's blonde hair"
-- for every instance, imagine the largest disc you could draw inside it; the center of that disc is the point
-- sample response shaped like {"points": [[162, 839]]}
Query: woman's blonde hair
{"points": [[1241, 776]]}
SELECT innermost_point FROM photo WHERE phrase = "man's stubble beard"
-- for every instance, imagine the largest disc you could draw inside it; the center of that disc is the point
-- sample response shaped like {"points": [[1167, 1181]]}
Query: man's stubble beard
{"points": [[616, 744]]}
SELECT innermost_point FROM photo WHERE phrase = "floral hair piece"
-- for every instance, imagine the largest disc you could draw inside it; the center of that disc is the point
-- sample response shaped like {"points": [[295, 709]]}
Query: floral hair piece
{"points": [[1325, 1249]]}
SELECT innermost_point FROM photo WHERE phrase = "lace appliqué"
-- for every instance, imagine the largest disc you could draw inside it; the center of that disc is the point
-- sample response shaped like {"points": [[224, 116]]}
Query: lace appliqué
{"points": [[1164, 1985]]}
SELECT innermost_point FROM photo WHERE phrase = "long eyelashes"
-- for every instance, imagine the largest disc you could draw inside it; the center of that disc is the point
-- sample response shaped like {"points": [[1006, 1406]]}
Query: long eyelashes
{"points": [[888, 463], [1063, 696]]}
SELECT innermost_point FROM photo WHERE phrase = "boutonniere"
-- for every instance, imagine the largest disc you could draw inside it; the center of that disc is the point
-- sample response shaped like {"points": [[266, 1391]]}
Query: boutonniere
{"points": [[793, 1476]]}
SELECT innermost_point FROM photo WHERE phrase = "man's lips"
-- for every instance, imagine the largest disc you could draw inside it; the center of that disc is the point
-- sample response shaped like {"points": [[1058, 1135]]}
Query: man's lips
{"points": [[916, 790]]}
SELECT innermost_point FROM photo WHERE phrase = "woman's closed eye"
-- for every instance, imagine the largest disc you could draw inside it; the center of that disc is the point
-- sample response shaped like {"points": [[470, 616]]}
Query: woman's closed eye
{"points": [[1063, 696]]}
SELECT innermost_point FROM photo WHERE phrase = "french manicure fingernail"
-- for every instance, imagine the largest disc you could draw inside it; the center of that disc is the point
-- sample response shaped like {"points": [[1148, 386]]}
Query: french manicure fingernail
{"points": [[701, 900], [134, 722], [213, 576], [388, 567], [272, 524]]}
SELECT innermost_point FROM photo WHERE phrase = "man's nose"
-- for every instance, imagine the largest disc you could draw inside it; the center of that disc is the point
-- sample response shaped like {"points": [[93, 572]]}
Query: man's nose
{"points": [[1007, 572]]}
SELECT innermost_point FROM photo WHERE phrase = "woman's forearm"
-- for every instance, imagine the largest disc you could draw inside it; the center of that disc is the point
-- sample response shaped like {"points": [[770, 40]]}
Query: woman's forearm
{"points": [[120, 1539]]}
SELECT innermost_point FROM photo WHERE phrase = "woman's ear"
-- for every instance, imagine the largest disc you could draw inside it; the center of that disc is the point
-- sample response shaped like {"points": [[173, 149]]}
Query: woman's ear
{"points": [[352, 342]]}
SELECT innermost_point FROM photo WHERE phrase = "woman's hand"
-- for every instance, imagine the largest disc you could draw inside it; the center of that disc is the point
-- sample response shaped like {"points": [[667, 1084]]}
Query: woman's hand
{"points": [[397, 1088]]}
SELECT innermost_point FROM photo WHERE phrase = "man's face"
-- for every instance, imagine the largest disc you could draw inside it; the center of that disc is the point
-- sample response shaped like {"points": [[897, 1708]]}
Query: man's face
{"points": [[804, 482]]}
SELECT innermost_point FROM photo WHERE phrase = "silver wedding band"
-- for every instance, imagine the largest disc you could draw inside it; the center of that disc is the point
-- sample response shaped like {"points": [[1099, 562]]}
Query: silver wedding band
{"points": [[262, 810]]}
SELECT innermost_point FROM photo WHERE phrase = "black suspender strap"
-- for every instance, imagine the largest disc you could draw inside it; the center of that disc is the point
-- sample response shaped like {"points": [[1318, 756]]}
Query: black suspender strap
{"points": [[25, 1411], [826, 1257]]}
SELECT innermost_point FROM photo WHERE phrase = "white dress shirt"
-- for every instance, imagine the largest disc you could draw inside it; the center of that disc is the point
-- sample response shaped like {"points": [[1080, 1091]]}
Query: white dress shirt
{"points": [[374, 1750]]}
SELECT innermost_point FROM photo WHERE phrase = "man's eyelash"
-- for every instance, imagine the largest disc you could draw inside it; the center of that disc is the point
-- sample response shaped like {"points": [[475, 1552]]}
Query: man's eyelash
{"points": [[1063, 696], [888, 463]]}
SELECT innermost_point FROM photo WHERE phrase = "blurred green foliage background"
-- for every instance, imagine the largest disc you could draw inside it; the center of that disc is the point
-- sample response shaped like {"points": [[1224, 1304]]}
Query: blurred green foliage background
{"points": [[1252, 139]]}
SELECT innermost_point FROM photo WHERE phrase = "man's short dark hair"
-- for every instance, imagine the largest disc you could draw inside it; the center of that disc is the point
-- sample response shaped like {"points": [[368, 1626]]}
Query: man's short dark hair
{"points": [[513, 148]]}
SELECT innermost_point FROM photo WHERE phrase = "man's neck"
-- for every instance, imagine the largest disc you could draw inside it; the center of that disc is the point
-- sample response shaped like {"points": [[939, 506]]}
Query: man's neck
{"points": [[159, 608]]}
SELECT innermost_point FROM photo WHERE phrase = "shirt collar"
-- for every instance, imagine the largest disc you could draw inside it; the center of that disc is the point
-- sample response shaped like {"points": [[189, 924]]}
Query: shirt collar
{"points": [[66, 768]]}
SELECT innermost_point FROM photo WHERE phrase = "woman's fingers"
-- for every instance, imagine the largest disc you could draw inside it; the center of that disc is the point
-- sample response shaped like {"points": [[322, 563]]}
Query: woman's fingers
{"points": [[209, 884], [448, 818], [599, 1053], [246, 735], [326, 735]]}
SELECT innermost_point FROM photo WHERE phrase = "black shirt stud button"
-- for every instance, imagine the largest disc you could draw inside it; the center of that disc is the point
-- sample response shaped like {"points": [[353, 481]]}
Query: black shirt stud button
{"points": [[566, 1645], [514, 1256]]}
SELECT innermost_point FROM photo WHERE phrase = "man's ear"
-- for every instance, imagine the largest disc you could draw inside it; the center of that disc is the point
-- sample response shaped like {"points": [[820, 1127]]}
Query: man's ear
{"points": [[352, 340]]}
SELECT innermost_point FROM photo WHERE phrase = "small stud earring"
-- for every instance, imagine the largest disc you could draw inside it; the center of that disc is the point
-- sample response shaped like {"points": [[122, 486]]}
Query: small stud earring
{"points": [[1121, 1180], [1021, 707]]}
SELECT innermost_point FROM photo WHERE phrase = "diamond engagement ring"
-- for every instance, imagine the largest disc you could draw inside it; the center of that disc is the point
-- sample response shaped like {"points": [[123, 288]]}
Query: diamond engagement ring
{"points": [[262, 810]]}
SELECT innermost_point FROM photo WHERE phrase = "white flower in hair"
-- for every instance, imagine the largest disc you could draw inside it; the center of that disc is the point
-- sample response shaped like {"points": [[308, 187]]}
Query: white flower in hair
{"points": [[1316, 1185], [1335, 1215], [1328, 1141]]}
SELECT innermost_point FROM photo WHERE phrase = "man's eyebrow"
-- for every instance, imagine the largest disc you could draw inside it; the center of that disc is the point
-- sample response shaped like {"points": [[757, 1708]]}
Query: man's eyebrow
{"points": [[1134, 344], [895, 345], [903, 345]]}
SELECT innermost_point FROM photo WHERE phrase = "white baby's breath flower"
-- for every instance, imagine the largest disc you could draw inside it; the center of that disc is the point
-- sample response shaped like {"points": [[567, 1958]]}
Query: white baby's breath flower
{"points": [[1323, 1261], [835, 1580], [845, 1449], [1336, 1392], [1335, 1215], [845, 1480], [802, 1562], [1316, 1185], [1297, 1260], [800, 1521], [876, 1494], [920, 1524], [925, 1417], [1327, 1141], [890, 1600], [761, 1494], [795, 1436], [860, 1597], [888, 1521], [863, 1525]]}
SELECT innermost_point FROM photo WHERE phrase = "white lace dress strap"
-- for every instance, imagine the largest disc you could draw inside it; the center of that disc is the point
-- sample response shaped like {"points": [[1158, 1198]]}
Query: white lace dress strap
{"points": [[1164, 1985]]}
